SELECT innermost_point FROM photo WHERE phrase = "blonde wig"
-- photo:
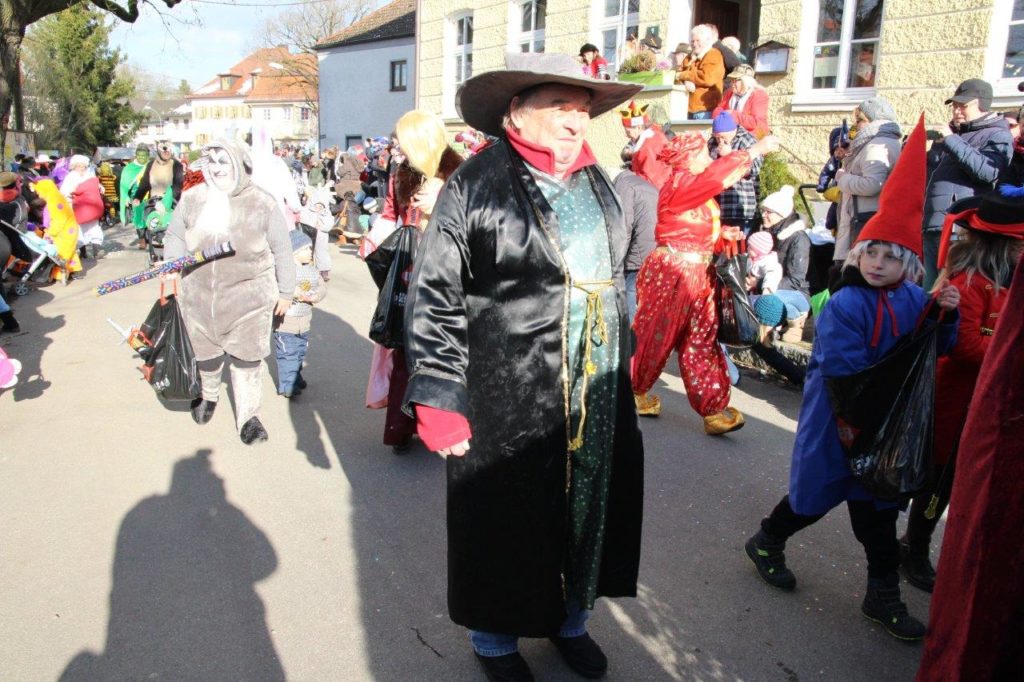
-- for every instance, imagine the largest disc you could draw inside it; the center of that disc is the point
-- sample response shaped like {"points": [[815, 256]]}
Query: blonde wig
{"points": [[422, 137]]}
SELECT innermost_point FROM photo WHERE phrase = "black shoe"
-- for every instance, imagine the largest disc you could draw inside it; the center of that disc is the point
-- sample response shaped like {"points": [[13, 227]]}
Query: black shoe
{"points": [[202, 410], [770, 561], [253, 431], [300, 383], [583, 655], [917, 567], [83, 252], [508, 668], [403, 447], [882, 604], [10, 324]]}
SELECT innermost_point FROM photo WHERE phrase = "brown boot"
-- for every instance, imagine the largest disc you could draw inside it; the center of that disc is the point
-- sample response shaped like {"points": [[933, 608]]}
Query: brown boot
{"points": [[647, 404], [723, 422], [795, 330], [142, 244]]}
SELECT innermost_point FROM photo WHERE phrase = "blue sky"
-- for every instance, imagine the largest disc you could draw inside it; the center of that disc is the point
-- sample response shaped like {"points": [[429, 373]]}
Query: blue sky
{"points": [[195, 40]]}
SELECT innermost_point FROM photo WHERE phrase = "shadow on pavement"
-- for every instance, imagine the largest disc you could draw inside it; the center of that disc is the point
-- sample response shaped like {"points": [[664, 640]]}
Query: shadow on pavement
{"points": [[183, 604], [29, 345]]}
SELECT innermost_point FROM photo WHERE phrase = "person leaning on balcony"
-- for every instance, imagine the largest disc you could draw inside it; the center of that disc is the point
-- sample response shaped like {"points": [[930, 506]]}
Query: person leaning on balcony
{"points": [[594, 65], [516, 336], [746, 101], [702, 73]]}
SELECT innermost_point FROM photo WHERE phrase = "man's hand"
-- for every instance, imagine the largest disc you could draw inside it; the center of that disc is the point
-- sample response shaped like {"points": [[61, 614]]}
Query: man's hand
{"points": [[282, 306], [944, 130], [766, 145], [457, 450], [689, 86], [949, 297]]}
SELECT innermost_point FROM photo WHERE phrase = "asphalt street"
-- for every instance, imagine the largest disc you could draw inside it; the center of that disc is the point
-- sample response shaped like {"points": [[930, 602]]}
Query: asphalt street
{"points": [[136, 545]]}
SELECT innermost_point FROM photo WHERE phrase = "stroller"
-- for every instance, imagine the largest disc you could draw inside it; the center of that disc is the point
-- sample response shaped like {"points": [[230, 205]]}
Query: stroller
{"points": [[30, 254], [156, 217]]}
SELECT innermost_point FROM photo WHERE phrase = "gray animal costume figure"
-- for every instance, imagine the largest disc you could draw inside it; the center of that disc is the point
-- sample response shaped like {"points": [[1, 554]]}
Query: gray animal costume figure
{"points": [[229, 304]]}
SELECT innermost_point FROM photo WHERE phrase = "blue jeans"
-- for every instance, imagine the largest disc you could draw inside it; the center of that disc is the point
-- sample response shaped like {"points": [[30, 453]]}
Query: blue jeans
{"points": [[795, 302], [290, 350], [4, 308], [491, 644], [700, 115], [631, 294]]}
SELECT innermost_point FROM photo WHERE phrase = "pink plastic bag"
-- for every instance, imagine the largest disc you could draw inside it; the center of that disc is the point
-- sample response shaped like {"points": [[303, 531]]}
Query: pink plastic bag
{"points": [[379, 383]]}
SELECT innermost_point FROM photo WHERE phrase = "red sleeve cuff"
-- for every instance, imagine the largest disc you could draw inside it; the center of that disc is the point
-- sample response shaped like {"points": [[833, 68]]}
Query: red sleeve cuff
{"points": [[440, 429]]}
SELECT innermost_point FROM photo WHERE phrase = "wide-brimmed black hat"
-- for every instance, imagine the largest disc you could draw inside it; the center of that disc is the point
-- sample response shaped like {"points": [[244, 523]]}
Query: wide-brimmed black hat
{"points": [[995, 213], [483, 100]]}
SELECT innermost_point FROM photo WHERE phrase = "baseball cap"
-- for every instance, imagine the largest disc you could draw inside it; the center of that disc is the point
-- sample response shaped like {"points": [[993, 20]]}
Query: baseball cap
{"points": [[973, 88]]}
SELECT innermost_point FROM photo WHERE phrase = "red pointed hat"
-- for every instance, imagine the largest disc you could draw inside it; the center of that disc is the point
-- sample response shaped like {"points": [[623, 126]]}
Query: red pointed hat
{"points": [[901, 203]]}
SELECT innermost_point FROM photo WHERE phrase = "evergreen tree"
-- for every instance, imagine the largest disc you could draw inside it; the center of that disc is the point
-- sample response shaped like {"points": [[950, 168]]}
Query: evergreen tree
{"points": [[75, 98]]}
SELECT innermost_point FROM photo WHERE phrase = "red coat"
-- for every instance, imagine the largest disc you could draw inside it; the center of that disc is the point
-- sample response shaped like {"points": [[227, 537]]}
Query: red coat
{"points": [[754, 114], [688, 215], [645, 159], [976, 629], [957, 372]]}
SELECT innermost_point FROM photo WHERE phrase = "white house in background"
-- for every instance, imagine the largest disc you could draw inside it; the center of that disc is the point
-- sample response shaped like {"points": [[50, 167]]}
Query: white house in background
{"points": [[166, 119], [261, 91], [367, 75]]}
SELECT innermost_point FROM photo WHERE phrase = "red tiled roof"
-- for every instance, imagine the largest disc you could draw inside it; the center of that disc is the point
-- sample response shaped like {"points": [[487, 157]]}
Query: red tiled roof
{"points": [[394, 20], [277, 78]]}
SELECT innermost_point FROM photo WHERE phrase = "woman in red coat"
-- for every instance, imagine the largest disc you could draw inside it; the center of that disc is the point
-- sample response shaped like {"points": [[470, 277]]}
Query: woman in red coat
{"points": [[746, 101], [981, 266]]}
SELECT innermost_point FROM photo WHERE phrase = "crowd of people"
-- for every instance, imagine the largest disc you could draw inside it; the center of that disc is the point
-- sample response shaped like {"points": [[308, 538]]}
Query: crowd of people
{"points": [[544, 299]]}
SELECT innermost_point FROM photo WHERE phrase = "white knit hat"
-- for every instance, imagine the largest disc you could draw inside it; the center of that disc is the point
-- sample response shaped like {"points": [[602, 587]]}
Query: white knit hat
{"points": [[781, 202]]}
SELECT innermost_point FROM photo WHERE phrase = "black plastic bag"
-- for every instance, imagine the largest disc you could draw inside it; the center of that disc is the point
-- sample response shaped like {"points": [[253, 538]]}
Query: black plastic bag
{"points": [[885, 416], [379, 261], [737, 323], [170, 363], [387, 325]]}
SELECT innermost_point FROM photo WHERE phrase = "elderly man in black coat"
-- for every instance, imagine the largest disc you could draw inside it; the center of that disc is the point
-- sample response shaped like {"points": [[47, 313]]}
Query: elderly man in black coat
{"points": [[517, 344]]}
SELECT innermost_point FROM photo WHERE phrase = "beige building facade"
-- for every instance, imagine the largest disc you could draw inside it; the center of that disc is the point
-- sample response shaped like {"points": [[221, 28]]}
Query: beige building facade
{"points": [[833, 54]]}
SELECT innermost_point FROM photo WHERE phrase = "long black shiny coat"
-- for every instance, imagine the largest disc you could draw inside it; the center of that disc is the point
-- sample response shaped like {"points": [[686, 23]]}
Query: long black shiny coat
{"points": [[485, 321]]}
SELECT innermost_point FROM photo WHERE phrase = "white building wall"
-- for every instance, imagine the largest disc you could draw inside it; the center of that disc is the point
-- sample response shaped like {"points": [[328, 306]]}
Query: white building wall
{"points": [[355, 90]]}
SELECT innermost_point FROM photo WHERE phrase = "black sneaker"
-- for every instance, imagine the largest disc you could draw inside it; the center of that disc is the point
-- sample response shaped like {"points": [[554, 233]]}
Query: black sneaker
{"points": [[202, 410], [583, 655], [770, 561], [253, 432], [508, 668], [300, 383], [9, 323], [917, 567], [883, 605]]}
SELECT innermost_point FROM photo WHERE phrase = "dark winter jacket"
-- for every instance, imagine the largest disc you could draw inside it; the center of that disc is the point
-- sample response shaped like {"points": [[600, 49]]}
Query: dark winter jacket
{"points": [[486, 318], [640, 211], [793, 245], [1014, 173], [965, 164], [176, 183]]}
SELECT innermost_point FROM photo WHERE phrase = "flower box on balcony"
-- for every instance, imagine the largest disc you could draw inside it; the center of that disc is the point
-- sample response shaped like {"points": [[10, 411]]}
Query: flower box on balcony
{"points": [[667, 77]]}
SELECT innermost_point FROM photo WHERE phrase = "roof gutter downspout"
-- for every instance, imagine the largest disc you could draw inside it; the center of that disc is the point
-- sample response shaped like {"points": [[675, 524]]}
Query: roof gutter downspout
{"points": [[416, 57]]}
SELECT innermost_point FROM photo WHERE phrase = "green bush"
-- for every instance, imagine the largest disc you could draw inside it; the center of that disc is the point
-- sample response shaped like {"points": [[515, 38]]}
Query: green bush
{"points": [[775, 173]]}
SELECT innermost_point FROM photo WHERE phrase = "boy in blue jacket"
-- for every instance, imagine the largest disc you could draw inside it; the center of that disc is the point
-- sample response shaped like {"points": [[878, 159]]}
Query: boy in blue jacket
{"points": [[876, 303]]}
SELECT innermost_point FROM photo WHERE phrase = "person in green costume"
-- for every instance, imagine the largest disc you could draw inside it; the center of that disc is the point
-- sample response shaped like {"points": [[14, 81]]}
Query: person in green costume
{"points": [[129, 177]]}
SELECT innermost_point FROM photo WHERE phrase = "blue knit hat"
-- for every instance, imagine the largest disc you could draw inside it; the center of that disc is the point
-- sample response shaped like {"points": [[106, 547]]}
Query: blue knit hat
{"points": [[299, 240], [769, 310], [723, 123]]}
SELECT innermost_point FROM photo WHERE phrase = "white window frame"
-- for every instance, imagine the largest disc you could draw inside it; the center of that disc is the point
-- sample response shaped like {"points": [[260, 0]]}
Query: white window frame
{"points": [[518, 37], [452, 49], [1004, 90], [840, 98], [620, 23]]}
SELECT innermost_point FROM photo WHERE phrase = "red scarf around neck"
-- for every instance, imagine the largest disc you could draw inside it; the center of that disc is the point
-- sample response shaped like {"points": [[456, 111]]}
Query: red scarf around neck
{"points": [[543, 159]]}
